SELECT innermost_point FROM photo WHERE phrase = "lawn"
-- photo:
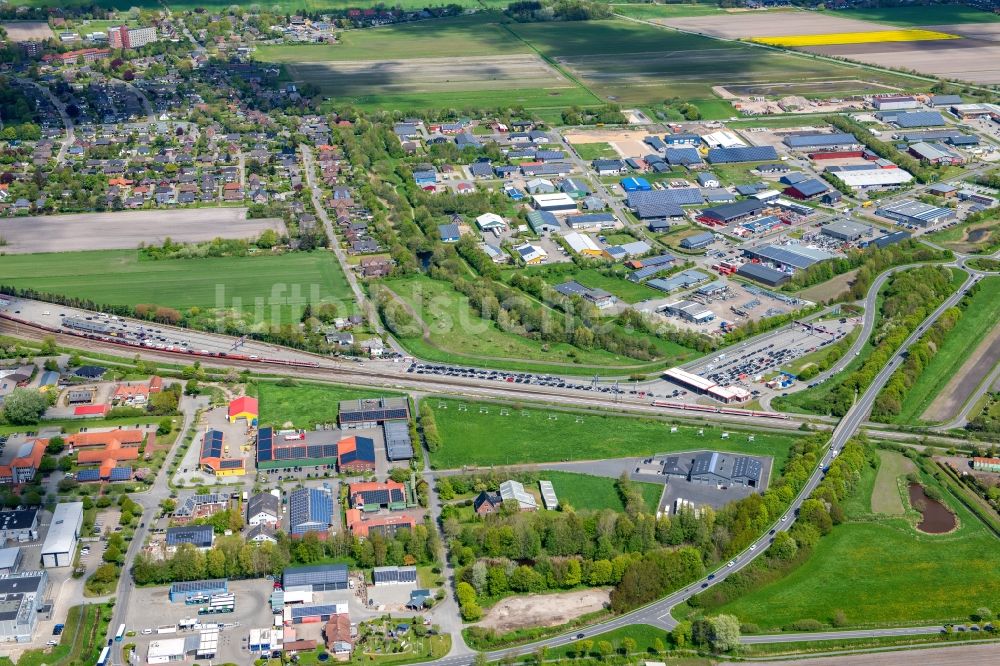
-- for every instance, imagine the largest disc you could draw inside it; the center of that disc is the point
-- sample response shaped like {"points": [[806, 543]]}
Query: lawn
{"points": [[920, 15], [885, 496], [971, 238], [482, 435], [979, 318], [80, 642], [70, 426], [305, 405], [596, 151], [884, 572], [459, 335], [594, 493], [474, 34], [279, 284]]}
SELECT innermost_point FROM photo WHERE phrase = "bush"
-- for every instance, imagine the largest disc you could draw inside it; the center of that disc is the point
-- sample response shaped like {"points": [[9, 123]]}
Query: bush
{"points": [[807, 625]]}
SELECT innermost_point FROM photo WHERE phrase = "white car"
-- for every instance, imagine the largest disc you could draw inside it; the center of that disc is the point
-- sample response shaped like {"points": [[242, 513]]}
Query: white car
{"points": [[146, 632], [53, 642], [753, 547], [731, 563], [784, 518]]}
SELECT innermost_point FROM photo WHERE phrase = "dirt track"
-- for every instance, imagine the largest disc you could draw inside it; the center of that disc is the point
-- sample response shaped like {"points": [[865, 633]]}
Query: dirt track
{"points": [[957, 391], [544, 610], [125, 230]]}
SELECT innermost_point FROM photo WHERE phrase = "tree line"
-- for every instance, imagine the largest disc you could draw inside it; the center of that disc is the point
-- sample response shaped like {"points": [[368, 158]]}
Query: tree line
{"points": [[231, 557]]}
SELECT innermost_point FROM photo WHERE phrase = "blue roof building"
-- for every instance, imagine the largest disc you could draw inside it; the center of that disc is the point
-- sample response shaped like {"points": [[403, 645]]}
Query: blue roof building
{"points": [[449, 233], [635, 184], [309, 510]]}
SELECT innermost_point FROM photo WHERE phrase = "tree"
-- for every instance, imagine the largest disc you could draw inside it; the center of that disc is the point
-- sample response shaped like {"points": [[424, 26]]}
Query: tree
{"points": [[983, 614], [111, 554], [681, 635], [191, 387], [55, 446], [583, 648], [628, 645], [724, 633], [658, 646], [784, 546], [165, 426], [24, 407], [605, 649]]}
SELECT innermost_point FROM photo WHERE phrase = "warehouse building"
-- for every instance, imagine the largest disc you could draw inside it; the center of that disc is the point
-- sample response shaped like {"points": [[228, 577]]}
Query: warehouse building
{"points": [[167, 650], [682, 280], [64, 530], [309, 510], [398, 443], [696, 313], [873, 177], [598, 297], [792, 255], [888, 239], [825, 141], [20, 525], [212, 459], [295, 448], [595, 221], [912, 119], [558, 202], [698, 241], [810, 188], [180, 591], [10, 560], [732, 212], [916, 213], [394, 575], [542, 222], [583, 245], [846, 230], [766, 276], [371, 412], [21, 597], [725, 469], [895, 103], [742, 154], [315, 578]]}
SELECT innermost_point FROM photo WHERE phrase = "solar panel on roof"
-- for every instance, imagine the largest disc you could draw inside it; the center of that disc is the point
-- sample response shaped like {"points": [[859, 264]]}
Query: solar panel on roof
{"points": [[299, 612], [744, 154], [88, 475], [121, 473], [231, 464], [211, 446], [264, 444]]}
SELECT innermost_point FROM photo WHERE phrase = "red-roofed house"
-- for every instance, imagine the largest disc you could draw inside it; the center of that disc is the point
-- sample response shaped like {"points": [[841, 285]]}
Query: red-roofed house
{"points": [[244, 408], [374, 495], [122, 438], [338, 636], [23, 467], [384, 525]]}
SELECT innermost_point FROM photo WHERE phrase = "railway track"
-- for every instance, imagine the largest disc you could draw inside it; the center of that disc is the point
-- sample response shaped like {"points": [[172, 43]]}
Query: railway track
{"points": [[327, 370]]}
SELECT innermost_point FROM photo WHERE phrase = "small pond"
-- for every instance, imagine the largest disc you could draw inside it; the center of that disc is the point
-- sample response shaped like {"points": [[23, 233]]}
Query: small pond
{"points": [[935, 516]]}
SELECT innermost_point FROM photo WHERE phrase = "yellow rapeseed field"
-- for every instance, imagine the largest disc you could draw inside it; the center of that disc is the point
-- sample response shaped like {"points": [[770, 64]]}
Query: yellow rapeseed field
{"points": [[876, 36]]}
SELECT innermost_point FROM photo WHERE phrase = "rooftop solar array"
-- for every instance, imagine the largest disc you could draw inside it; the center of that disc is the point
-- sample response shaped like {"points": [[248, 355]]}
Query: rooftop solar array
{"points": [[394, 575], [315, 575], [683, 156], [265, 444], [203, 586], [211, 445], [382, 496], [230, 463], [88, 475], [744, 154], [364, 450], [374, 410], [309, 508], [121, 474], [299, 612], [663, 203], [918, 119], [820, 140]]}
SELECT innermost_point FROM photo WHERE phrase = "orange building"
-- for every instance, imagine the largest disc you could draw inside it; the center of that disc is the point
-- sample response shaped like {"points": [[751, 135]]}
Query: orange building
{"points": [[23, 467], [384, 525]]}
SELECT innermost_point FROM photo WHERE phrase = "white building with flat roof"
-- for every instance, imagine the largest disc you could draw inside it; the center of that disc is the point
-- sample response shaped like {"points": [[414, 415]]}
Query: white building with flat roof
{"points": [[64, 530]]}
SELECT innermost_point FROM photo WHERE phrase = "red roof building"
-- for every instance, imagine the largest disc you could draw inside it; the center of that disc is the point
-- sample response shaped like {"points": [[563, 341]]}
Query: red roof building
{"points": [[22, 468], [384, 525], [91, 410], [244, 408]]}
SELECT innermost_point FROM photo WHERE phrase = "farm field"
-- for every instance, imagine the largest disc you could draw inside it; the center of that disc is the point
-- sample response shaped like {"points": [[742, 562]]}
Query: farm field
{"points": [[428, 75], [305, 405], [593, 493], [531, 436], [122, 277], [866, 37], [460, 36], [753, 25], [870, 567], [655, 11], [456, 334], [976, 322], [919, 15]]}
